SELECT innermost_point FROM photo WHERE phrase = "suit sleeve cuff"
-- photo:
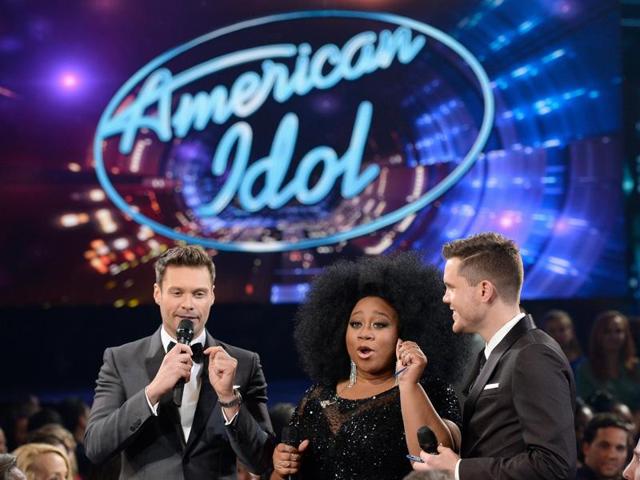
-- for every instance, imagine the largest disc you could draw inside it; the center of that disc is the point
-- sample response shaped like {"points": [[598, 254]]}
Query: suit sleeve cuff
{"points": [[457, 471], [153, 408]]}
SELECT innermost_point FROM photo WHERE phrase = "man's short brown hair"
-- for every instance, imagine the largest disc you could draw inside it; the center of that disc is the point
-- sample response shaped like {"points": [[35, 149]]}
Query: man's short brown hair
{"points": [[489, 256], [184, 256]]}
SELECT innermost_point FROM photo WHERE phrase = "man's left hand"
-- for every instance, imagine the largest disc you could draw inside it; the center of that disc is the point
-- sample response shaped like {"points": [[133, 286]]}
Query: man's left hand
{"points": [[445, 460], [222, 372]]}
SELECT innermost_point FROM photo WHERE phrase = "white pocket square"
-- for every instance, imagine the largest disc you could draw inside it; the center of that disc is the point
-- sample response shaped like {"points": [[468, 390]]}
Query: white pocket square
{"points": [[491, 386]]}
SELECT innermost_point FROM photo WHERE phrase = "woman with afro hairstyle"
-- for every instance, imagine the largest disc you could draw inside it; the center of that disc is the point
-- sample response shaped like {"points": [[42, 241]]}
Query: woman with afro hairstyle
{"points": [[363, 335]]}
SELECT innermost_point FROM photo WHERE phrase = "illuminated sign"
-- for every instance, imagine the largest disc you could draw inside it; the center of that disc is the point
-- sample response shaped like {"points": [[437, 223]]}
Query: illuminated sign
{"points": [[170, 102]]}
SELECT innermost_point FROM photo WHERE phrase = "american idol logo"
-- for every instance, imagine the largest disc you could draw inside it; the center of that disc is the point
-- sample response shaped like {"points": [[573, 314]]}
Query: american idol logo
{"points": [[291, 131]]}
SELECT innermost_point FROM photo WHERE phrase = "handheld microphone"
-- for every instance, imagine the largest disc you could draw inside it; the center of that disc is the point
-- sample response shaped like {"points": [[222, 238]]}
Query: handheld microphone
{"points": [[427, 440], [290, 436], [184, 334]]}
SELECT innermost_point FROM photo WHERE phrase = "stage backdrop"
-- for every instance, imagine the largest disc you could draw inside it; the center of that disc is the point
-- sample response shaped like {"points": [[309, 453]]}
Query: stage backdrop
{"points": [[284, 135]]}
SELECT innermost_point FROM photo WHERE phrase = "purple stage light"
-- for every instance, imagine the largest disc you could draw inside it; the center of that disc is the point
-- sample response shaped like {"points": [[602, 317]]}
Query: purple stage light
{"points": [[69, 80]]}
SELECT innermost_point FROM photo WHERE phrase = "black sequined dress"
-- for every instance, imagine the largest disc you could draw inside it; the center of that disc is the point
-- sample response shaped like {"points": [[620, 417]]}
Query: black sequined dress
{"points": [[361, 439]]}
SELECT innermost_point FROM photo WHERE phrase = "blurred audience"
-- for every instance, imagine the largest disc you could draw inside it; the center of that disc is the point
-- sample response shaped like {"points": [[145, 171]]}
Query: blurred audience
{"points": [[41, 461], [632, 471], [45, 416], [8, 468], [75, 413], [17, 429], [605, 447], [57, 435], [612, 364], [604, 402], [559, 325], [582, 416], [3, 442]]}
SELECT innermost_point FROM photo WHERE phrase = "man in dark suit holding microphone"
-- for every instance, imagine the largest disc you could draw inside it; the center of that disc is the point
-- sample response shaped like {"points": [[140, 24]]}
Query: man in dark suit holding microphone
{"points": [[518, 415], [172, 416]]}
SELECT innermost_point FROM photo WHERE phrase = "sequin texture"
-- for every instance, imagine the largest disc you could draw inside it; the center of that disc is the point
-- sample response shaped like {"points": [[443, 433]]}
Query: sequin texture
{"points": [[361, 439]]}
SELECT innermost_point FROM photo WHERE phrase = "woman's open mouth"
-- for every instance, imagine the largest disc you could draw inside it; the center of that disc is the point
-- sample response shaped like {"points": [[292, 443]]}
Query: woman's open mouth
{"points": [[364, 352]]}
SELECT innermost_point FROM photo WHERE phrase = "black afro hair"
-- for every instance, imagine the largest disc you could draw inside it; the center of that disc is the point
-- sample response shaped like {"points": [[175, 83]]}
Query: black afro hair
{"points": [[414, 290]]}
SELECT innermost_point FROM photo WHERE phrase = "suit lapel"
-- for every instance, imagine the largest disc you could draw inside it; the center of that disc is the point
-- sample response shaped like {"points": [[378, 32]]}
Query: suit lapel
{"points": [[154, 356], [520, 328], [206, 400], [473, 375]]}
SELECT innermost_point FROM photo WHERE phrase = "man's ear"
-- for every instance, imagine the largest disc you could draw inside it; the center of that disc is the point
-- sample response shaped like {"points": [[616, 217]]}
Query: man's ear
{"points": [[486, 290], [156, 293]]}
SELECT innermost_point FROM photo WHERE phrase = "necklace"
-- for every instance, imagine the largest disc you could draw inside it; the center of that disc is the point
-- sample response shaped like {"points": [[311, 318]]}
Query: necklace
{"points": [[337, 395]]}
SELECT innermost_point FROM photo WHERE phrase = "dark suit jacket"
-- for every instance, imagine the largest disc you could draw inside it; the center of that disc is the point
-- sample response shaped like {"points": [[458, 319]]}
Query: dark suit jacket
{"points": [[518, 418], [154, 447]]}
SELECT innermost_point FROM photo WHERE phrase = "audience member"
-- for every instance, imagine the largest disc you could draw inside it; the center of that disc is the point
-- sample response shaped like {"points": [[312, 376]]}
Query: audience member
{"points": [[3, 442], [40, 461], [582, 416], [43, 417], [75, 414], [605, 445], [559, 325], [8, 468], [57, 435], [16, 431], [612, 364], [632, 471], [604, 402]]}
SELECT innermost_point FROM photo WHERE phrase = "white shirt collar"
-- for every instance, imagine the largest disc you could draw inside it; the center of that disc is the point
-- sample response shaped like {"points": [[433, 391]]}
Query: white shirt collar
{"points": [[500, 334], [166, 338]]}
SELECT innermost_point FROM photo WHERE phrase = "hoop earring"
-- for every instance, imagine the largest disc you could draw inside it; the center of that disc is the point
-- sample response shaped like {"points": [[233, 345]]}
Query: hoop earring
{"points": [[353, 375]]}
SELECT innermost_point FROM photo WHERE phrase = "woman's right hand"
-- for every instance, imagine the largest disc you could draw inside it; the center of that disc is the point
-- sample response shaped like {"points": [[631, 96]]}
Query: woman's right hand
{"points": [[287, 459]]}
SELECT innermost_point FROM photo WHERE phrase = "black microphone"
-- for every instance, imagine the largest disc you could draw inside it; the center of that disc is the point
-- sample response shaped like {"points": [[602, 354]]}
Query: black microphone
{"points": [[290, 436], [427, 440], [184, 334]]}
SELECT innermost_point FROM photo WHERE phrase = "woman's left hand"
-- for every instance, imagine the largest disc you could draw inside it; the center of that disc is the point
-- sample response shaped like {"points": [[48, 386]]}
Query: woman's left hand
{"points": [[410, 357]]}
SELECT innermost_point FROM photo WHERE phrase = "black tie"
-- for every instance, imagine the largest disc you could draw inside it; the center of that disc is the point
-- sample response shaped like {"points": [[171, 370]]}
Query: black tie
{"points": [[196, 348], [480, 361]]}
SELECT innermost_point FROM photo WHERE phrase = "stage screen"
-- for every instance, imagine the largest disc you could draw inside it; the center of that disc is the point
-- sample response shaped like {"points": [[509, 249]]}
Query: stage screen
{"points": [[283, 136]]}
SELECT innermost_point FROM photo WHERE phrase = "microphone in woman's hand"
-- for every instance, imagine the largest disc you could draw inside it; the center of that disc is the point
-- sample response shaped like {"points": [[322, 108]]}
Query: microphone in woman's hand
{"points": [[427, 440], [290, 436]]}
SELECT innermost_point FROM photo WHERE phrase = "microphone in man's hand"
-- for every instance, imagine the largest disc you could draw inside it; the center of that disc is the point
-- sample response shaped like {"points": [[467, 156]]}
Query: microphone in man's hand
{"points": [[427, 440], [290, 436], [184, 335]]}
